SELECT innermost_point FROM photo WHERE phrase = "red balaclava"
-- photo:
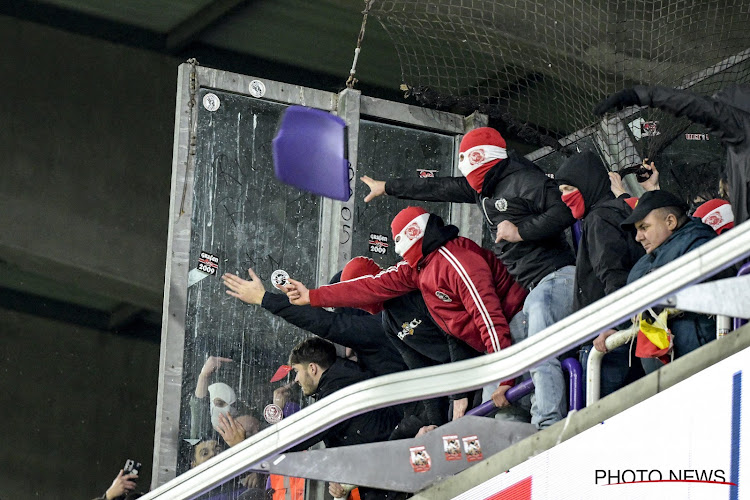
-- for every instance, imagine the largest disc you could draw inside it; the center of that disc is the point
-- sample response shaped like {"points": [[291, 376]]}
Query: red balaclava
{"points": [[574, 200], [480, 150], [358, 267], [408, 231], [717, 214]]}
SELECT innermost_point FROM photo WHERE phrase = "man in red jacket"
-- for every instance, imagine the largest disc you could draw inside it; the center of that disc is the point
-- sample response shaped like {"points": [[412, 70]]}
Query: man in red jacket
{"points": [[468, 291]]}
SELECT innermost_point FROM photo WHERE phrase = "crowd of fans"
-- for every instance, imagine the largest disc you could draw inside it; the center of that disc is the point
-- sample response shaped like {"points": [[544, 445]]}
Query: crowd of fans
{"points": [[449, 299]]}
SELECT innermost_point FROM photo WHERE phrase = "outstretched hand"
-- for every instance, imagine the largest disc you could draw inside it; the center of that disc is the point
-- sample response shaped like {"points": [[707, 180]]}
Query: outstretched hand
{"points": [[298, 293], [377, 188], [250, 291], [618, 100]]}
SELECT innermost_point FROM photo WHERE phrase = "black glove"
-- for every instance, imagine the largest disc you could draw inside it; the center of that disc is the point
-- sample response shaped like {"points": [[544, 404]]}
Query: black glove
{"points": [[618, 100]]}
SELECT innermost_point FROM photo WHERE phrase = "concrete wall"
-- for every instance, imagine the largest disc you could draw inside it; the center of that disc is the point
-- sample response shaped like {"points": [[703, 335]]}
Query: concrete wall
{"points": [[86, 133], [76, 404]]}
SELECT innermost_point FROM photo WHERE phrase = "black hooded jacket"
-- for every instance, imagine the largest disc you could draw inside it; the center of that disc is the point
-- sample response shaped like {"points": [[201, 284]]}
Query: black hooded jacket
{"points": [[361, 332], [606, 252], [727, 114], [515, 190]]}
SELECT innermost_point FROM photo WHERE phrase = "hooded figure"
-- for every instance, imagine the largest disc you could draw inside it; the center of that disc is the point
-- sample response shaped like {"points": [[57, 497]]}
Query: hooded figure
{"points": [[726, 114], [606, 252]]}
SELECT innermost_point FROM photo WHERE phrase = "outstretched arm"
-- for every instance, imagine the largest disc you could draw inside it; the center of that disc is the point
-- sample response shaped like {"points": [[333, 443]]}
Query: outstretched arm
{"points": [[704, 110], [393, 282]]}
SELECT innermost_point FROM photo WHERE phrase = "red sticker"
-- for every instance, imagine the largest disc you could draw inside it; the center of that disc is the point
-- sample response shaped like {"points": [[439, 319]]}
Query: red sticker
{"points": [[472, 448], [420, 459], [452, 448]]}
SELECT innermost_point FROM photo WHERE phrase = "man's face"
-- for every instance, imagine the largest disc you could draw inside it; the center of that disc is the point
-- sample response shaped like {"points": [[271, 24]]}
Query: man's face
{"points": [[566, 188], [206, 450], [654, 229], [305, 379]]}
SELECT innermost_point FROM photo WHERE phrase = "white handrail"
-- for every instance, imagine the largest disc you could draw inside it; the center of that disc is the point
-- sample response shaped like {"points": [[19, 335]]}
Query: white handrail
{"points": [[594, 363], [585, 324]]}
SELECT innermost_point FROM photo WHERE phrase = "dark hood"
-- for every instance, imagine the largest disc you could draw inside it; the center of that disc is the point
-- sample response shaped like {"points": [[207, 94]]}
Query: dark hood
{"points": [[587, 172], [436, 234], [737, 96]]}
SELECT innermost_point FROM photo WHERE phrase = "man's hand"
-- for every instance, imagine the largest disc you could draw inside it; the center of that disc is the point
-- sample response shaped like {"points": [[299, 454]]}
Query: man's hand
{"points": [[425, 429], [338, 490], [498, 397], [599, 342], [253, 480], [232, 432], [507, 231], [377, 188], [121, 485], [282, 395], [618, 100], [212, 364], [298, 293], [652, 183], [616, 184], [459, 407], [250, 291]]}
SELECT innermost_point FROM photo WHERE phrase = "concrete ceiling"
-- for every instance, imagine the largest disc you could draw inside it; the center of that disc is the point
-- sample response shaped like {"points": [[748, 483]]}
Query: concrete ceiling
{"points": [[282, 36]]}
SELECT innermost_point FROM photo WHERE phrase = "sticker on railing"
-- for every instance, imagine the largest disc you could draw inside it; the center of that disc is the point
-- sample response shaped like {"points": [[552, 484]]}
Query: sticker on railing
{"points": [[452, 448], [472, 448], [420, 459]]}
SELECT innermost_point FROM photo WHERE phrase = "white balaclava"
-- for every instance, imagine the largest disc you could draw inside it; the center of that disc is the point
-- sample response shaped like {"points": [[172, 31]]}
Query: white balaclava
{"points": [[221, 391]]}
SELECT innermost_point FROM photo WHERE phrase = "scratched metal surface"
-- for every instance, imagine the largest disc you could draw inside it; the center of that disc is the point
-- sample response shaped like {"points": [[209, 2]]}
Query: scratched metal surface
{"points": [[387, 151]]}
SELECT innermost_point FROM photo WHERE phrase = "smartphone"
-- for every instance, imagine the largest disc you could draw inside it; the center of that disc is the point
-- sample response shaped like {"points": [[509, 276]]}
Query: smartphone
{"points": [[131, 467]]}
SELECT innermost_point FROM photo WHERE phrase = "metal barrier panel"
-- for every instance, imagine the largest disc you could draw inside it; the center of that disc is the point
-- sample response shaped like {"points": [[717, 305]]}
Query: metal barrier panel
{"points": [[229, 213]]}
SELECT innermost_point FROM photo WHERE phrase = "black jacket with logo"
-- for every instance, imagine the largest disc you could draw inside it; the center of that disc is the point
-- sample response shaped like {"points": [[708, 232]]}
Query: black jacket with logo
{"points": [[407, 322], [606, 252], [515, 190]]}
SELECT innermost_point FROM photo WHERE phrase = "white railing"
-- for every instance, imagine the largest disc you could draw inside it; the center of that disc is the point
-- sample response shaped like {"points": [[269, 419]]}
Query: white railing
{"points": [[699, 264]]}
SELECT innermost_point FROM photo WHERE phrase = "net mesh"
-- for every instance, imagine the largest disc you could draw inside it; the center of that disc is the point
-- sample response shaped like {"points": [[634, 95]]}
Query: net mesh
{"points": [[537, 67]]}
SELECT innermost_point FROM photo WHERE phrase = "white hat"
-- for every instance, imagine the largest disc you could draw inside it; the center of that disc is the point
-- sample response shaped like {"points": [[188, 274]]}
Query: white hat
{"points": [[222, 391]]}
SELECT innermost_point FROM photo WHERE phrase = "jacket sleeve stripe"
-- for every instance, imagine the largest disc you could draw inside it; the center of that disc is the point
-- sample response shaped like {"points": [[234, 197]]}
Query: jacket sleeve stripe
{"points": [[368, 276], [474, 294]]}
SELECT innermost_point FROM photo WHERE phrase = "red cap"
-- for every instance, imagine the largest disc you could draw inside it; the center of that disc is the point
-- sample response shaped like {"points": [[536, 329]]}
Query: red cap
{"points": [[483, 136], [717, 214], [282, 372], [359, 266]]}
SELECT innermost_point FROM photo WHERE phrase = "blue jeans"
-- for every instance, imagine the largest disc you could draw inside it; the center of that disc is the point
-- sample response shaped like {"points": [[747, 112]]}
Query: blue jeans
{"points": [[549, 302], [519, 410]]}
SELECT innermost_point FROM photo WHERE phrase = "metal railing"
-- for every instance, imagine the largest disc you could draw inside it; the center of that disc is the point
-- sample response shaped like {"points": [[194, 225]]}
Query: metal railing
{"points": [[718, 254]]}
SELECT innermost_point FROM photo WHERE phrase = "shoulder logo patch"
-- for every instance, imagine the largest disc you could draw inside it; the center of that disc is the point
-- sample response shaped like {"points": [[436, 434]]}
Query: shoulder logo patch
{"points": [[501, 204], [443, 296]]}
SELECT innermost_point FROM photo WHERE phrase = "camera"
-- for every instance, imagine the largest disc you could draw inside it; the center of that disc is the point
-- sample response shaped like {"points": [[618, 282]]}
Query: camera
{"points": [[641, 172], [131, 467]]}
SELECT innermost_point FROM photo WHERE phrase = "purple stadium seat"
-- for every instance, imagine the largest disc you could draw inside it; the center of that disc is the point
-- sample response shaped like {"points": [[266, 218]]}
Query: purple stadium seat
{"points": [[309, 152]]}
